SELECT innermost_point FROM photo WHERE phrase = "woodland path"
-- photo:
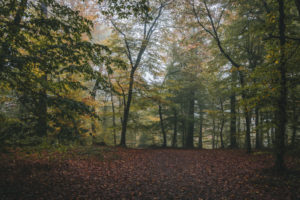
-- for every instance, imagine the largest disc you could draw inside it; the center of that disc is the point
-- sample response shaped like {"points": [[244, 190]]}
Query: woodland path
{"points": [[145, 174]]}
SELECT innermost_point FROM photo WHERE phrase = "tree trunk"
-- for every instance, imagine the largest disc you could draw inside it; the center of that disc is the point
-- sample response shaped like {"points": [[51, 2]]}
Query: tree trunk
{"points": [[174, 141], [127, 109], [261, 125], [295, 120], [190, 131], [233, 143], [297, 2], [213, 133], [222, 124], [183, 133], [239, 129], [248, 132], [282, 99], [257, 131], [162, 126], [113, 117], [200, 142], [93, 95]]}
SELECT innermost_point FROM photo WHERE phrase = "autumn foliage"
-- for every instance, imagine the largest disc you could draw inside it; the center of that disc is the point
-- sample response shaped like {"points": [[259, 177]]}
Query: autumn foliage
{"points": [[105, 173]]}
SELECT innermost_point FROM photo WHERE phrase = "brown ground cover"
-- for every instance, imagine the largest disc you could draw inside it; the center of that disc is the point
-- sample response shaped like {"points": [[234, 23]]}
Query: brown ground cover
{"points": [[145, 174]]}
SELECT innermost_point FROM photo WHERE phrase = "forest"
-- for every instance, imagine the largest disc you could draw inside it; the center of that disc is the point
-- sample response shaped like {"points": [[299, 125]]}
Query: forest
{"points": [[149, 99]]}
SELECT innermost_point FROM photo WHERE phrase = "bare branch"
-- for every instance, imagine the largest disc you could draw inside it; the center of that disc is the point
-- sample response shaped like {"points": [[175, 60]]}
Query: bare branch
{"points": [[198, 20], [128, 52]]}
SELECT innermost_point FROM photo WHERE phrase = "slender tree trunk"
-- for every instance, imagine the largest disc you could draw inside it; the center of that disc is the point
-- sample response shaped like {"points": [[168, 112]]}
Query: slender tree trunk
{"points": [[162, 126], [257, 131], [297, 2], [113, 117], [239, 129], [282, 100], [190, 131], [295, 119], [222, 124], [233, 143], [261, 125], [174, 141], [93, 95], [213, 133], [200, 142], [183, 133]]}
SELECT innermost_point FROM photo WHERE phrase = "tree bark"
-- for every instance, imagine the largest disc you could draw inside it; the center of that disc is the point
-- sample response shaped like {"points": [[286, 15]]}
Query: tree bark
{"points": [[294, 120], [113, 117], [174, 141], [190, 131], [213, 133], [297, 2], [282, 100], [257, 131], [162, 126], [222, 124], [261, 124], [200, 142], [233, 143], [127, 109], [183, 133]]}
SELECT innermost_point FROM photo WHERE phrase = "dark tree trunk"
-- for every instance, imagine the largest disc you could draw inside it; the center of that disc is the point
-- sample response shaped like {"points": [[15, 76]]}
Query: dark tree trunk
{"points": [[127, 109], [295, 120], [239, 129], [190, 131], [257, 130], [174, 141], [248, 132], [200, 142], [247, 114], [162, 126], [183, 133], [261, 125], [297, 2], [282, 100], [233, 143], [213, 133], [222, 124]]}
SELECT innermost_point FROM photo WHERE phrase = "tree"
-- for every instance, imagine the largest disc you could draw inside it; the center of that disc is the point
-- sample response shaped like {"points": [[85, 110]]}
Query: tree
{"points": [[149, 17], [29, 44]]}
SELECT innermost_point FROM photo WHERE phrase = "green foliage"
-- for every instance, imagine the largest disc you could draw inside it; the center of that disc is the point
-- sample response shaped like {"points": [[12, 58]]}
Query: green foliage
{"points": [[44, 57]]}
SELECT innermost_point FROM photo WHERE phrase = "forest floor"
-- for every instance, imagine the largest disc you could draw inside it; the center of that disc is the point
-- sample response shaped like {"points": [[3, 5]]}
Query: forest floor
{"points": [[115, 173]]}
